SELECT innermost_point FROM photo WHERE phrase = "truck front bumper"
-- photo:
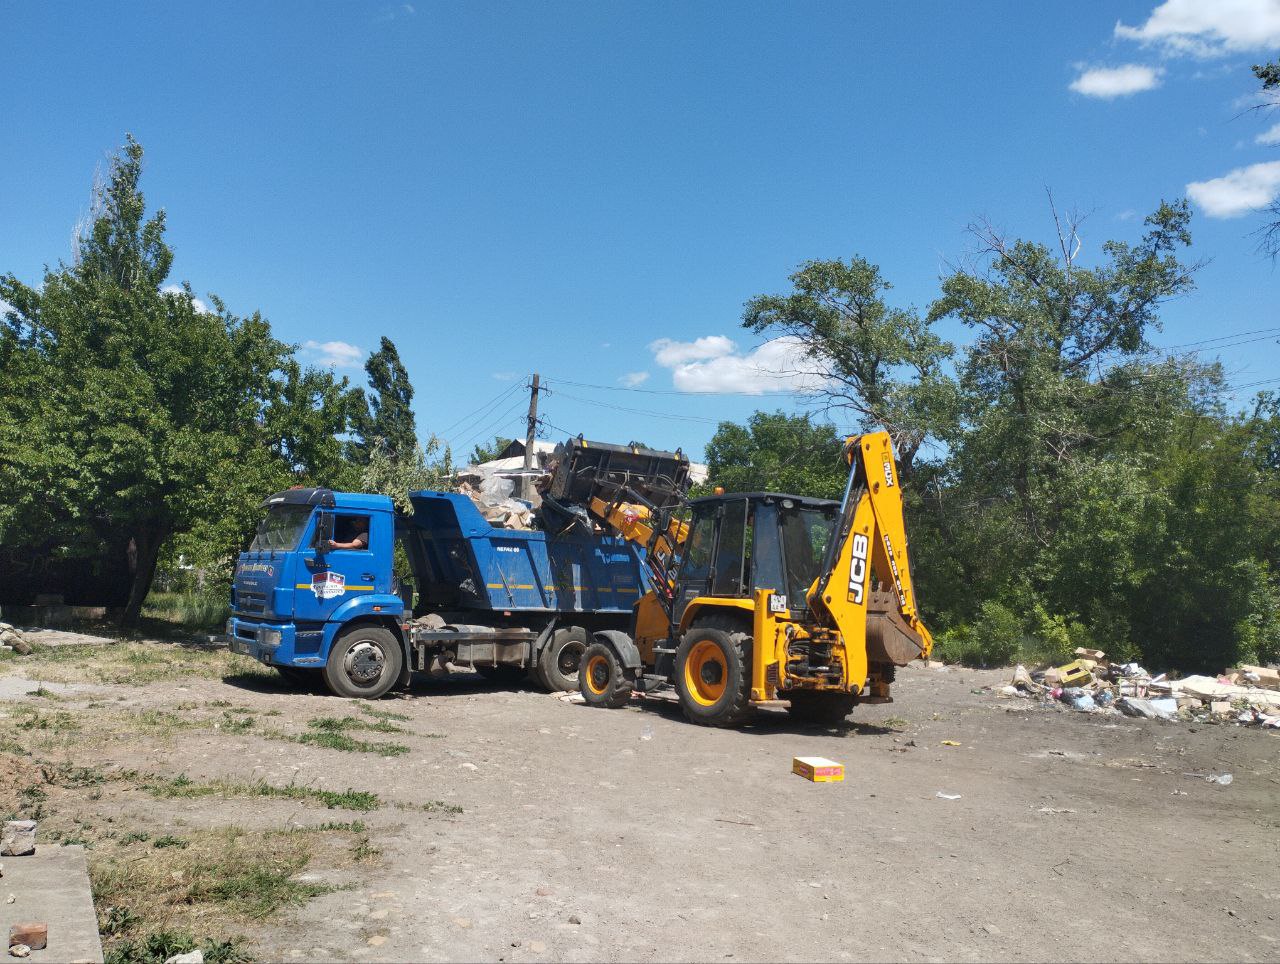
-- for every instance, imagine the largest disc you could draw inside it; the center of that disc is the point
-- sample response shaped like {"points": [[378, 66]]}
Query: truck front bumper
{"points": [[275, 644]]}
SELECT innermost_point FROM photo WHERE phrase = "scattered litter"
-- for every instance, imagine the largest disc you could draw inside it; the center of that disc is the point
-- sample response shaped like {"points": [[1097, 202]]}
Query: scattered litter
{"points": [[1245, 696], [950, 743], [1055, 810], [947, 796], [1222, 779], [818, 769], [568, 696]]}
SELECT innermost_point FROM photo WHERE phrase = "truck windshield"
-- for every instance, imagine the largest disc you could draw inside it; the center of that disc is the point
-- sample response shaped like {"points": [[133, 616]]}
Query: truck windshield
{"points": [[282, 528], [805, 533]]}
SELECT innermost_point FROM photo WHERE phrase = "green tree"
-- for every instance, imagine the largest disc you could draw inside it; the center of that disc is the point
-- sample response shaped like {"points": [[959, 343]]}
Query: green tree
{"points": [[778, 453], [1269, 74], [384, 420], [881, 364], [129, 415], [487, 453]]}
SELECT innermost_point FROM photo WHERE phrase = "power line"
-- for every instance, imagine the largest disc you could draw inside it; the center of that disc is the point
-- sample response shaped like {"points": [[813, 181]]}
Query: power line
{"points": [[642, 411], [676, 391], [467, 422]]}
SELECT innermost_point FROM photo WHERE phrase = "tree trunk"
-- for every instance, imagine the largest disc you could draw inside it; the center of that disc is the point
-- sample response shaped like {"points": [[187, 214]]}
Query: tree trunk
{"points": [[148, 541]]}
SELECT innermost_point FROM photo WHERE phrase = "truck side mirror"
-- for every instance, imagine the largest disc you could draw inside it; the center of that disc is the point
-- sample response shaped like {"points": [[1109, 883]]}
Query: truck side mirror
{"points": [[324, 531]]}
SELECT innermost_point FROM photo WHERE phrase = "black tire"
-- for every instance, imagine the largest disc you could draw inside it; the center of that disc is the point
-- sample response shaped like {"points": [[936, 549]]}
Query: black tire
{"points": [[713, 673], [602, 680], [364, 663], [821, 707], [559, 661], [502, 675]]}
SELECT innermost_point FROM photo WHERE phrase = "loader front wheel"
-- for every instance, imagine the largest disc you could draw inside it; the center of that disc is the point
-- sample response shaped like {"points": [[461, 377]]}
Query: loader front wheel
{"points": [[713, 676], [602, 680], [821, 707]]}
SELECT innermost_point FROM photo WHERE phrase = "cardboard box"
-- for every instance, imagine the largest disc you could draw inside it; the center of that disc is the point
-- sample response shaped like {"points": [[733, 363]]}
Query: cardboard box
{"points": [[818, 769]]}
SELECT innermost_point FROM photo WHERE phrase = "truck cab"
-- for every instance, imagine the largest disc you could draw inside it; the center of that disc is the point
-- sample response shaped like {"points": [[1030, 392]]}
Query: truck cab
{"points": [[319, 565]]}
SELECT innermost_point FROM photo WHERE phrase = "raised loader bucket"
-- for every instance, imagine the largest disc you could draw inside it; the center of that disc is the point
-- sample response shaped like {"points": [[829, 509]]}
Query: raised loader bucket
{"points": [[586, 470]]}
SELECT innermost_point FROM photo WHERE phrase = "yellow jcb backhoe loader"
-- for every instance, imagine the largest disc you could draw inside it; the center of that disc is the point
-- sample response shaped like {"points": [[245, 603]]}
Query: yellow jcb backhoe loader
{"points": [[756, 597]]}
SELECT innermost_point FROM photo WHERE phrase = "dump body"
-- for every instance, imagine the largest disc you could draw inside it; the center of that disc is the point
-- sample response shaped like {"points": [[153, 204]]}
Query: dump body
{"points": [[464, 565]]}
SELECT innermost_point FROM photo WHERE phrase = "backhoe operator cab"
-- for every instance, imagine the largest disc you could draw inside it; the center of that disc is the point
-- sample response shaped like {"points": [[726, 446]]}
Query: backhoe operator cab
{"points": [[755, 597]]}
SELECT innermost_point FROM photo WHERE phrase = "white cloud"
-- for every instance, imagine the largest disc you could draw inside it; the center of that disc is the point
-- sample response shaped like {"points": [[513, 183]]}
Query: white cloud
{"points": [[178, 290], [1209, 28], [1109, 82], [1270, 136], [333, 354], [632, 379], [669, 353], [1238, 192], [714, 364]]}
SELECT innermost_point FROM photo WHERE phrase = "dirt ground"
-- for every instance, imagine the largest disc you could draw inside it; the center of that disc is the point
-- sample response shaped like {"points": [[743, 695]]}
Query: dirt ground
{"points": [[631, 835]]}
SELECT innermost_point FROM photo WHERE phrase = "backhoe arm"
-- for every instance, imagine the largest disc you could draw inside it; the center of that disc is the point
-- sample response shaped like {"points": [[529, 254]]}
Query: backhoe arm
{"points": [[871, 537]]}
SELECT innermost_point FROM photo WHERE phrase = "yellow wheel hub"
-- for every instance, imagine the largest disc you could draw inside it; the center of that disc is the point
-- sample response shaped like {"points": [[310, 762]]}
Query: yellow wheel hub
{"points": [[597, 671], [706, 673]]}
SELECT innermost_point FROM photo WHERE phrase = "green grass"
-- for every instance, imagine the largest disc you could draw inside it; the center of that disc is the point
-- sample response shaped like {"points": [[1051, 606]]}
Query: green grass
{"points": [[340, 741], [194, 611], [382, 714], [170, 841], [182, 786], [256, 891], [431, 806]]}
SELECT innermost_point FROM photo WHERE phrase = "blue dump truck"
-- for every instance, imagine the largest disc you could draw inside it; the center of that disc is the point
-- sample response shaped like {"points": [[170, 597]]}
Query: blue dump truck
{"points": [[315, 595]]}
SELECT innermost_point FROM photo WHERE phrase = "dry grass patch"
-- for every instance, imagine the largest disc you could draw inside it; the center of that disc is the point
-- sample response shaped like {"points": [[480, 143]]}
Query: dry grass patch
{"points": [[137, 664]]}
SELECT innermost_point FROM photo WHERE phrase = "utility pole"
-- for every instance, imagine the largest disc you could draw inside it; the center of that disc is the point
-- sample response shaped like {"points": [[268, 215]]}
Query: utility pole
{"points": [[526, 480]]}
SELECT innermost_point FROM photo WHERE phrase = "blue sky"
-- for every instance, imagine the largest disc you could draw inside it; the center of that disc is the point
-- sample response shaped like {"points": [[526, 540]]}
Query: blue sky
{"points": [[591, 191]]}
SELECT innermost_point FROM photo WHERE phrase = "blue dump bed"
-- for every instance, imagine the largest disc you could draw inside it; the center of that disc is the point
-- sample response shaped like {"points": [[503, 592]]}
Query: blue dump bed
{"points": [[464, 563]]}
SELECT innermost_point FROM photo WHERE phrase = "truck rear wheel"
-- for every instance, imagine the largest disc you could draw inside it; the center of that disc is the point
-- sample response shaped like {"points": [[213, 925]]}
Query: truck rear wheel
{"points": [[559, 662], [713, 676], [820, 706], [364, 662], [601, 678]]}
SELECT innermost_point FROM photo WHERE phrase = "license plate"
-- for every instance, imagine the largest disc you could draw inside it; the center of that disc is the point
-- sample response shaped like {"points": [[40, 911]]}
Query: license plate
{"points": [[239, 646]]}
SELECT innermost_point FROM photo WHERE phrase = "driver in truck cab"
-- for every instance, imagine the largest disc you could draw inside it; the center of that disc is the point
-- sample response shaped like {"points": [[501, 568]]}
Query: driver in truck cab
{"points": [[353, 533]]}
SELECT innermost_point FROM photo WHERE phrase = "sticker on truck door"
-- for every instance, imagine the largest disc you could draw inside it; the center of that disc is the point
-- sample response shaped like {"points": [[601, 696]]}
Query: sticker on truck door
{"points": [[328, 585]]}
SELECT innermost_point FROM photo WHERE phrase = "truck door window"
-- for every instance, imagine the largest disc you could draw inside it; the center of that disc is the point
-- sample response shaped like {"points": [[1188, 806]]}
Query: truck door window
{"points": [[727, 580], [351, 532]]}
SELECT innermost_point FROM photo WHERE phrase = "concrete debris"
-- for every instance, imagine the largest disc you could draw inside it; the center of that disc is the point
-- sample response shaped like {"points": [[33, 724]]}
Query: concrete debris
{"points": [[494, 500], [19, 950], [191, 957], [18, 838], [11, 637], [1247, 696]]}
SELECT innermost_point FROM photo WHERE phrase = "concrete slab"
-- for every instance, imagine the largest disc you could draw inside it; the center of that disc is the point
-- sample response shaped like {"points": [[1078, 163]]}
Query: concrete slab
{"points": [[12, 687], [52, 886]]}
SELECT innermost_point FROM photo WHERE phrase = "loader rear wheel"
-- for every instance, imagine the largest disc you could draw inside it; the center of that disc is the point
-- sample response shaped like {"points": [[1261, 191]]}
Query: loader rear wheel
{"points": [[821, 707], [559, 662], [602, 680], [713, 676]]}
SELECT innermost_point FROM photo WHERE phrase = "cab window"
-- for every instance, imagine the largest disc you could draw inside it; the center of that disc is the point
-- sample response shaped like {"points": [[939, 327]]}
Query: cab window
{"points": [[351, 532]]}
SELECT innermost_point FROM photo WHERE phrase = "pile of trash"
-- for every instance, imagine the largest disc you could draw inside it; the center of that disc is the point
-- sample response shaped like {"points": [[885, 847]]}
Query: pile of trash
{"points": [[1247, 695], [494, 496]]}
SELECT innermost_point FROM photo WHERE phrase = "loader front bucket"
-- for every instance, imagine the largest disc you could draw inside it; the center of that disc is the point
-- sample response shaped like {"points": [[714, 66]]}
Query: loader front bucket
{"points": [[586, 470]]}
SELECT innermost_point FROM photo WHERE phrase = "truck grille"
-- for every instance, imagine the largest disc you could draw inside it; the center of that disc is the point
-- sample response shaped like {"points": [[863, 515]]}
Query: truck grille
{"points": [[251, 602]]}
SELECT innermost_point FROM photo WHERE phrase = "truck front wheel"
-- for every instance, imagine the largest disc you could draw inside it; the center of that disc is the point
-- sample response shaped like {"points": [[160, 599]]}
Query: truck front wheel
{"points": [[364, 663]]}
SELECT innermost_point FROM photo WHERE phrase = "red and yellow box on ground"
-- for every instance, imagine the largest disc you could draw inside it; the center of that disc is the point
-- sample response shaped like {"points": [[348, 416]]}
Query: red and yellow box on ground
{"points": [[818, 769]]}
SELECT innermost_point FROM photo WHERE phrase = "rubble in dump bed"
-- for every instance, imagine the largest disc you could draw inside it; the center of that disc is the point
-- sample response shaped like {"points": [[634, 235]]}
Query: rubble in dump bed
{"points": [[1248, 695], [494, 496]]}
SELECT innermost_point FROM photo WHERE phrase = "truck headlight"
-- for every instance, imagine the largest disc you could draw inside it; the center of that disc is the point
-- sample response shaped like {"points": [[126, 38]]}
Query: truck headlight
{"points": [[270, 637]]}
